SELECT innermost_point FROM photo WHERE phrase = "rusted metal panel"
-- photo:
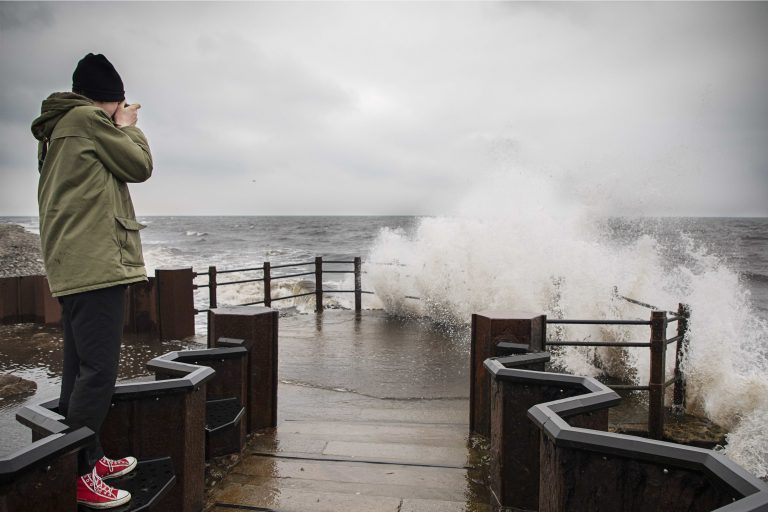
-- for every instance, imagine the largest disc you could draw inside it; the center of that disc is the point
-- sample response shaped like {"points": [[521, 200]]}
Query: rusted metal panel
{"points": [[225, 427], [164, 418], [31, 298], [176, 307], [595, 420], [230, 380], [47, 488], [257, 327], [575, 480], [26, 300], [480, 350], [514, 471], [158, 425], [9, 300], [51, 306], [226, 396], [489, 329], [583, 468], [42, 475], [141, 316], [519, 385]]}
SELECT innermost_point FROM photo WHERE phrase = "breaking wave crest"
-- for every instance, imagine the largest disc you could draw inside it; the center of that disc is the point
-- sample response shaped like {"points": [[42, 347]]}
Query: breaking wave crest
{"points": [[515, 246]]}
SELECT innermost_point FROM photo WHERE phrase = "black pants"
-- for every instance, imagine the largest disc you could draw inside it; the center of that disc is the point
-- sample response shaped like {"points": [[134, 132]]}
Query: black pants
{"points": [[93, 329]]}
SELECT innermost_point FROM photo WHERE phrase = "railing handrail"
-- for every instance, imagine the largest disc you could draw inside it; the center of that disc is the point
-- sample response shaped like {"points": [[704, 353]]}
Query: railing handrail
{"points": [[641, 303], [267, 279], [657, 382], [598, 322]]}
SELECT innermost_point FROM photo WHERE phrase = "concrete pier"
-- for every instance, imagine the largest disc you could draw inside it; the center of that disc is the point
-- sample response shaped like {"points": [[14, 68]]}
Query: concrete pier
{"points": [[373, 416]]}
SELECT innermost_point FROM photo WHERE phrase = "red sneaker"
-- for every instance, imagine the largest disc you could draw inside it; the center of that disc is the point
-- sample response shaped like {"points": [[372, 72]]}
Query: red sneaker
{"points": [[108, 468], [93, 492]]}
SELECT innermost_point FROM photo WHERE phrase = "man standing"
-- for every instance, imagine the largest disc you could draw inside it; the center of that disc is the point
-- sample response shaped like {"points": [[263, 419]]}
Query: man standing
{"points": [[89, 149]]}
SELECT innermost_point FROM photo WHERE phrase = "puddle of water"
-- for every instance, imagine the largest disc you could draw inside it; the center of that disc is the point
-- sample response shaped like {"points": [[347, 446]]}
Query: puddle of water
{"points": [[34, 352], [374, 355]]}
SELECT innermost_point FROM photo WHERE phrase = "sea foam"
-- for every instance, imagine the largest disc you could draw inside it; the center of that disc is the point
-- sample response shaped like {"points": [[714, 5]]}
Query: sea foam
{"points": [[516, 245]]}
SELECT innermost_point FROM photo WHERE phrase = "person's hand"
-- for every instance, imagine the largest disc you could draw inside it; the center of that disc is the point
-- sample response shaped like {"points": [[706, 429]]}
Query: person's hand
{"points": [[127, 115]]}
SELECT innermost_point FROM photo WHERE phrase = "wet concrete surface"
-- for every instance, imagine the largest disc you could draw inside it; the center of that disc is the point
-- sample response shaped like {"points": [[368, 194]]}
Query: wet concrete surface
{"points": [[343, 451], [372, 415], [375, 355]]}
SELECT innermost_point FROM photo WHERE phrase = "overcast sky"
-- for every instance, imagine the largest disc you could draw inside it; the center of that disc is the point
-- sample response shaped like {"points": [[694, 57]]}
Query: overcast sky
{"points": [[282, 108]]}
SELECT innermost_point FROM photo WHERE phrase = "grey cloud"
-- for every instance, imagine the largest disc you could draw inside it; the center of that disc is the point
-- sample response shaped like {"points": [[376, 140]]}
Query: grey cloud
{"points": [[24, 15], [408, 104]]}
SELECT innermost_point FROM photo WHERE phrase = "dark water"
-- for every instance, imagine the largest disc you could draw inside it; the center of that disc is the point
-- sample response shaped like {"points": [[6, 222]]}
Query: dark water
{"points": [[238, 242], [741, 243]]}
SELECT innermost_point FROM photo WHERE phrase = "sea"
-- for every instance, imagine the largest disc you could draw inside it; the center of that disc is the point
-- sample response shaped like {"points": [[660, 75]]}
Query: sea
{"points": [[444, 268]]}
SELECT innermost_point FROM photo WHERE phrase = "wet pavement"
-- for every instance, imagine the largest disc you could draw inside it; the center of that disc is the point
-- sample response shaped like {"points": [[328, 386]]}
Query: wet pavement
{"points": [[372, 415], [375, 355], [345, 452]]}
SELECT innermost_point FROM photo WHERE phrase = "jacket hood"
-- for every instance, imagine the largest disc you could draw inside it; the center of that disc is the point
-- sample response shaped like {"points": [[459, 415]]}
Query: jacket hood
{"points": [[53, 109]]}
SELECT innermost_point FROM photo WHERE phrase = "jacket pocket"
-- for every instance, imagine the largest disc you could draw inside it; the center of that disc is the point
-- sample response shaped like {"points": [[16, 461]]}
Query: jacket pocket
{"points": [[129, 241]]}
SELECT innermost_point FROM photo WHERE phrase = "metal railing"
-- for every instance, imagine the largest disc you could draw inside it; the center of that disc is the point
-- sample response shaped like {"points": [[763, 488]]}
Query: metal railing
{"points": [[267, 277], [657, 383]]}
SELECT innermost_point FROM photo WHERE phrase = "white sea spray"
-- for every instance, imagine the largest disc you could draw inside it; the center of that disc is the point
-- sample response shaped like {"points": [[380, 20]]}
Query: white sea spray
{"points": [[513, 245]]}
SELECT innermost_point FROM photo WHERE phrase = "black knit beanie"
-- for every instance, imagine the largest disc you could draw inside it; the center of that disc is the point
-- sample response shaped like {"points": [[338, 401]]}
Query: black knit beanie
{"points": [[96, 78]]}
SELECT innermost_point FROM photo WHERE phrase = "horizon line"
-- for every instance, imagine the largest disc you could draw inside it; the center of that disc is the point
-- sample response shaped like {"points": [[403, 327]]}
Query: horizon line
{"points": [[409, 215]]}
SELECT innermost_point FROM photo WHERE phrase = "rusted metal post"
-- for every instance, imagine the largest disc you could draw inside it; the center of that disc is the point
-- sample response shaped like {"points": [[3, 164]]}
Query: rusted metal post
{"points": [[489, 329], [658, 373], [151, 423], [225, 394], [45, 488], [358, 284], [30, 299], [176, 304], [257, 327], [514, 466], [684, 313], [40, 291], [212, 287], [142, 307], [319, 284], [39, 478], [267, 284]]}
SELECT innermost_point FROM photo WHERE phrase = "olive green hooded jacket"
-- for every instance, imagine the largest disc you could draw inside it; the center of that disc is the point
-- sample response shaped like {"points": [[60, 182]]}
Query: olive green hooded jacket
{"points": [[88, 229]]}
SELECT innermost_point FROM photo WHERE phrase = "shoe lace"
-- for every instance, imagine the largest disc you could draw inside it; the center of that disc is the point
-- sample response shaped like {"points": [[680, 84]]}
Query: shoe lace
{"points": [[100, 486], [108, 462]]}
